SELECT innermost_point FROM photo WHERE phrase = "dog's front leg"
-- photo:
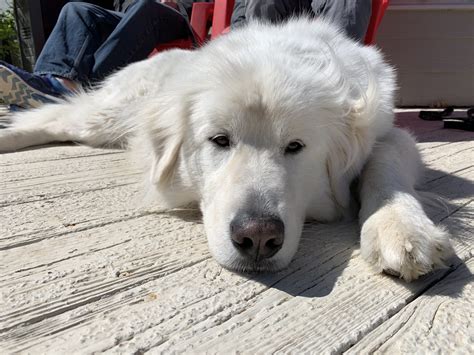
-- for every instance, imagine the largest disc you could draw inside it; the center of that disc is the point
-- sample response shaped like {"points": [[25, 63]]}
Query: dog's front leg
{"points": [[397, 236]]}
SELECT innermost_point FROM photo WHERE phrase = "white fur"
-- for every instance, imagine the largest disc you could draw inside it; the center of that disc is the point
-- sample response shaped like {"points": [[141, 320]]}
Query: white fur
{"points": [[265, 86]]}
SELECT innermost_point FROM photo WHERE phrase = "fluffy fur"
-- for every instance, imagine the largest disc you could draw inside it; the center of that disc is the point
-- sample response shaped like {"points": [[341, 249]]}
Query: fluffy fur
{"points": [[264, 87]]}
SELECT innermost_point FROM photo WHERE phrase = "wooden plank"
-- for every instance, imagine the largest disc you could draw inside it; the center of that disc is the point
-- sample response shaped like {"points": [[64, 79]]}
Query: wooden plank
{"points": [[54, 276], [439, 321], [62, 193], [47, 218], [55, 177], [17, 175], [52, 152]]}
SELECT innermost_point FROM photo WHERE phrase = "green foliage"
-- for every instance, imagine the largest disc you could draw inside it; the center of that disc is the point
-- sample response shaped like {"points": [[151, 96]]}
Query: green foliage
{"points": [[9, 47]]}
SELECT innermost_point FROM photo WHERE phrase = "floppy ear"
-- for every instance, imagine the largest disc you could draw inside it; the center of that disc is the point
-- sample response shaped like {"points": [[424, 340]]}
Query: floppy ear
{"points": [[159, 147], [157, 121], [345, 160], [369, 116], [166, 115], [166, 150]]}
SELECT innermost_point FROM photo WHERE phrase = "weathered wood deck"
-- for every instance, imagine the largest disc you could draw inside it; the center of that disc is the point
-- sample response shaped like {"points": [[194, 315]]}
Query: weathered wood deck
{"points": [[83, 270]]}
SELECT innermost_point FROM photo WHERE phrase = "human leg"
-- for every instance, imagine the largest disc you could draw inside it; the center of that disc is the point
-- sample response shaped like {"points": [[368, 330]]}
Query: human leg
{"points": [[145, 24], [352, 15], [80, 31], [271, 10], [66, 60]]}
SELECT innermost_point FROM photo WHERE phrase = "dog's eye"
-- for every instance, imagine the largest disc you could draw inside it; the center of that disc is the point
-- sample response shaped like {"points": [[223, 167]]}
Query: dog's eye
{"points": [[221, 140], [294, 147]]}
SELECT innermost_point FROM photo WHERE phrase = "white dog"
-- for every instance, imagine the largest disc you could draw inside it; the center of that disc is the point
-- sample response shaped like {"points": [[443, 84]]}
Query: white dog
{"points": [[265, 126]]}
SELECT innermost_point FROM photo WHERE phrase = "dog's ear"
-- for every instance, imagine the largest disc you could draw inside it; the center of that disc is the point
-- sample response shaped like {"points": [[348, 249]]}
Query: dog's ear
{"points": [[344, 163], [368, 117], [158, 149], [163, 115], [166, 150]]}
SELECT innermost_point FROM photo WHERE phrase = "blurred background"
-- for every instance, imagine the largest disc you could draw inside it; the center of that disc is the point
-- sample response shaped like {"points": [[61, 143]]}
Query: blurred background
{"points": [[429, 42]]}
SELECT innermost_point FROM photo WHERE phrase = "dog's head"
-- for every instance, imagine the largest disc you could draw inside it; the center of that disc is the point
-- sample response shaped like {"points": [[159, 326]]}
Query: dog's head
{"points": [[264, 137]]}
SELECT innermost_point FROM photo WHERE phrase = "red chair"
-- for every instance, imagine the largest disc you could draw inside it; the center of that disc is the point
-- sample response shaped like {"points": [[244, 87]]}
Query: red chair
{"points": [[378, 10], [219, 11], [221, 24], [204, 16]]}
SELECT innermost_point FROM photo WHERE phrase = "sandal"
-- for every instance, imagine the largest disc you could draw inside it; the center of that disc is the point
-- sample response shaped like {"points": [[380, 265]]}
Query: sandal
{"points": [[464, 123]]}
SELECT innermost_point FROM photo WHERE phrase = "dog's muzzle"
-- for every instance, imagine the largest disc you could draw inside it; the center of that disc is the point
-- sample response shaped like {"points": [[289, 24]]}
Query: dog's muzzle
{"points": [[257, 238]]}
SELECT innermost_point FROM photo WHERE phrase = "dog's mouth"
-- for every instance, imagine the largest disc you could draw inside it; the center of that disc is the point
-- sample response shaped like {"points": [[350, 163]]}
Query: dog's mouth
{"points": [[253, 267]]}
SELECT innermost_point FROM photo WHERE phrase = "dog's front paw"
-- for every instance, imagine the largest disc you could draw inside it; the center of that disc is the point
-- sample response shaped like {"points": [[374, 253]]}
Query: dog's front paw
{"points": [[404, 242]]}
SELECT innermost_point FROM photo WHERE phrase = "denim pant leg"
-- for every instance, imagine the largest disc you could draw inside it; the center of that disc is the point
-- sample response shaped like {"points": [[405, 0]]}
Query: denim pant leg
{"points": [[80, 30], [145, 24]]}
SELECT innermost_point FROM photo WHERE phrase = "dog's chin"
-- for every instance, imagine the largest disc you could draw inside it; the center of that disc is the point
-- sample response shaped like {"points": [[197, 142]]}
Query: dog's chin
{"points": [[226, 255], [241, 265], [233, 260]]}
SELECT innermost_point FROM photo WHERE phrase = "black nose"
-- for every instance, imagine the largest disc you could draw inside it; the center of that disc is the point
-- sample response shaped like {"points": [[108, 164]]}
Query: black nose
{"points": [[257, 237]]}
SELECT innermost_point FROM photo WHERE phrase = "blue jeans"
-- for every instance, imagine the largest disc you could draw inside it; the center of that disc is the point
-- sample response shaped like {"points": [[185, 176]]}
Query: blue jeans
{"points": [[89, 42]]}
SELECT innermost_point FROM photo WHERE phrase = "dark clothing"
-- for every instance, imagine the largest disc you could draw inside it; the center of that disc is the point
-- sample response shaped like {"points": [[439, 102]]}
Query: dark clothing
{"points": [[352, 15], [90, 42], [122, 5]]}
